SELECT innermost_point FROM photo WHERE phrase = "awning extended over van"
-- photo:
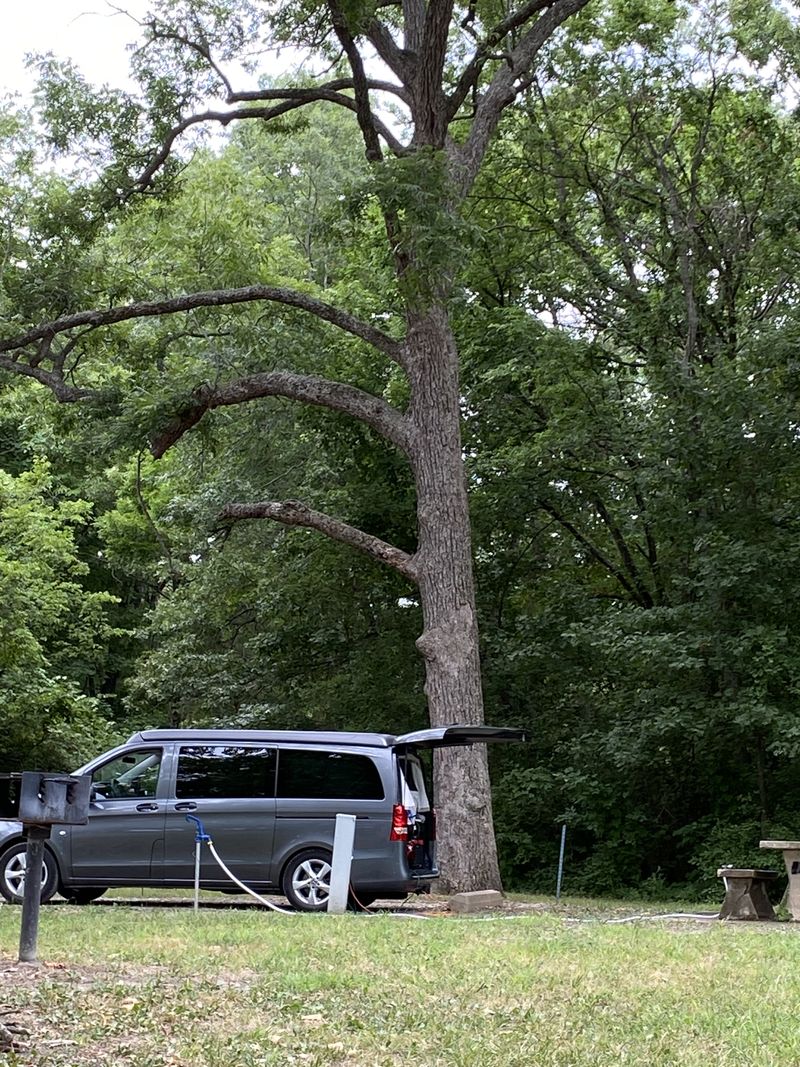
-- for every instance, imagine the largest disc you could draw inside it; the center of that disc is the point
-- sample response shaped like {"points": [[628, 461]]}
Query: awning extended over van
{"points": [[444, 736]]}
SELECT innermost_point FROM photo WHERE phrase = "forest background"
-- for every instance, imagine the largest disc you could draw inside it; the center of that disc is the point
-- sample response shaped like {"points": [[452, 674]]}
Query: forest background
{"points": [[626, 309]]}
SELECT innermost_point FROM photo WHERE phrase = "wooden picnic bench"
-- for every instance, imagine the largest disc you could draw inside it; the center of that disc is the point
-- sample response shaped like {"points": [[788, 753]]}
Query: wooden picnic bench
{"points": [[746, 893]]}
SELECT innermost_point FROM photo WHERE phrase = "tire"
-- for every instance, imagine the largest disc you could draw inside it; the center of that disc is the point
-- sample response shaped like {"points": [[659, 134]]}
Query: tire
{"points": [[12, 874], [84, 894], [306, 880]]}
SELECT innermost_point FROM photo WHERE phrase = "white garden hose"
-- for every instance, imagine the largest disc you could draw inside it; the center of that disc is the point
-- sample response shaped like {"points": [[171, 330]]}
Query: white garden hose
{"points": [[200, 837]]}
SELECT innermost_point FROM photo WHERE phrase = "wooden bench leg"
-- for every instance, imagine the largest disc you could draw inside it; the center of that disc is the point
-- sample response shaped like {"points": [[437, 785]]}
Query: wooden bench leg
{"points": [[746, 898], [792, 861]]}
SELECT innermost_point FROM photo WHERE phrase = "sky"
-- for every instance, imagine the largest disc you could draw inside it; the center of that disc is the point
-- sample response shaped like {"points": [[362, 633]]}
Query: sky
{"points": [[89, 32]]}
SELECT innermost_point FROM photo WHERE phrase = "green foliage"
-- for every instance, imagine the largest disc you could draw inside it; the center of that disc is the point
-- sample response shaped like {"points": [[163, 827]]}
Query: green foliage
{"points": [[271, 627], [633, 470], [52, 630], [623, 289], [730, 841], [109, 135], [767, 36], [358, 14], [415, 190]]}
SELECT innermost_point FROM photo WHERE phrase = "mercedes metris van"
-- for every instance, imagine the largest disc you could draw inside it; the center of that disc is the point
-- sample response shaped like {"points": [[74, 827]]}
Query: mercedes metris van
{"points": [[269, 801]]}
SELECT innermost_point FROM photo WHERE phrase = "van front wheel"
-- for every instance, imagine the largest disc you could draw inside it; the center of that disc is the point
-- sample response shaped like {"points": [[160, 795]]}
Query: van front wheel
{"points": [[13, 868], [307, 880]]}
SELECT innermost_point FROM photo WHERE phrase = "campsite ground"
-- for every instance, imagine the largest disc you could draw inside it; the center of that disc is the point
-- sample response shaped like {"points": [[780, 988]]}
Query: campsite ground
{"points": [[135, 983]]}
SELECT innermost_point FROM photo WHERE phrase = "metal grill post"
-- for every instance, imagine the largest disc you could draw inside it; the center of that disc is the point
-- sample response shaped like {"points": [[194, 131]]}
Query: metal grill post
{"points": [[44, 799], [34, 857]]}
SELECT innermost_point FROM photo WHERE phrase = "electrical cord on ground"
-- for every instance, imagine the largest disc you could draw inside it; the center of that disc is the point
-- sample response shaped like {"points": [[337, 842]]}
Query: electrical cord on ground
{"points": [[356, 901], [651, 917]]}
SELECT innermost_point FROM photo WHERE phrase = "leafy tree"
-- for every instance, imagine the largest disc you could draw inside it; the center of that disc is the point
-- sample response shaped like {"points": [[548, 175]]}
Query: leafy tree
{"points": [[53, 632], [635, 466], [454, 70]]}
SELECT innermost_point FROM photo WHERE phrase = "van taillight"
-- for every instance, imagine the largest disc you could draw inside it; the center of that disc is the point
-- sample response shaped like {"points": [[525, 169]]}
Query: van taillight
{"points": [[399, 824]]}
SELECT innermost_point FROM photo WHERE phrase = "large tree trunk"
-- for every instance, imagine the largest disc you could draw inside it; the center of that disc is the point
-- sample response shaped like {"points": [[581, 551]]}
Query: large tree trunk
{"points": [[449, 642]]}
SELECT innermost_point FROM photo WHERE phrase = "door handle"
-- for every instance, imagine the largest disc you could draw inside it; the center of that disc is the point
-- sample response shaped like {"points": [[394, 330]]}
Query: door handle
{"points": [[147, 807], [186, 805]]}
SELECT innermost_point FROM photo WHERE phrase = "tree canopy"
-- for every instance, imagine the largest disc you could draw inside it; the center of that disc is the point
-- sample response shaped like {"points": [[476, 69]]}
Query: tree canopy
{"points": [[542, 269]]}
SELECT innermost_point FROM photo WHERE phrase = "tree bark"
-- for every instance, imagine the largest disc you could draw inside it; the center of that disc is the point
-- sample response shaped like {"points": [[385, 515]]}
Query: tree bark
{"points": [[449, 641]]}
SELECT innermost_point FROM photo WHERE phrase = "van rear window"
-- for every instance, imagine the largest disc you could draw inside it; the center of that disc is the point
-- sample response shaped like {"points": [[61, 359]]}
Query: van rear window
{"points": [[323, 775], [220, 771]]}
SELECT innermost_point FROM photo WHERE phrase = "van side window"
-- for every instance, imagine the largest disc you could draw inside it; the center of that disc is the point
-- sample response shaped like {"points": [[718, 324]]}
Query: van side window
{"points": [[225, 771], [133, 774], [322, 775]]}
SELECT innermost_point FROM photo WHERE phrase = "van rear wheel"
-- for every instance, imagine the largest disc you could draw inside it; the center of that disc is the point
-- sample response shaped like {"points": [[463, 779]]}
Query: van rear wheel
{"points": [[307, 880]]}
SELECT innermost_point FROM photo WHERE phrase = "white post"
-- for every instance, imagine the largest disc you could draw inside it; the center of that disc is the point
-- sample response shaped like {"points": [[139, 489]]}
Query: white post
{"points": [[340, 864]]}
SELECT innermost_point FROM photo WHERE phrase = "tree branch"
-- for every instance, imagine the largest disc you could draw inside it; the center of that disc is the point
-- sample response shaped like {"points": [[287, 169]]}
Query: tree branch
{"points": [[429, 103], [644, 595], [65, 394], [593, 551], [309, 95], [509, 80], [366, 120], [398, 60], [322, 392], [472, 71], [413, 22], [202, 49], [293, 513], [213, 298], [292, 100]]}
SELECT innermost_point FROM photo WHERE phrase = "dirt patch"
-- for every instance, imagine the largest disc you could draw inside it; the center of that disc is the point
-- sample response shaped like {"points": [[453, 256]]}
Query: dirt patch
{"points": [[598, 911]]}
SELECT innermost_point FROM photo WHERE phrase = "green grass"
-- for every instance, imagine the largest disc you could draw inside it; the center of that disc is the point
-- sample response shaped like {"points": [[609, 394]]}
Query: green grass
{"points": [[157, 987]]}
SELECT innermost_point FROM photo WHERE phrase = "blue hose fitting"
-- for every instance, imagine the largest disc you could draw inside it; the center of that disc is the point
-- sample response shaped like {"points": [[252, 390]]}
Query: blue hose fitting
{"points": [[201, 834]]}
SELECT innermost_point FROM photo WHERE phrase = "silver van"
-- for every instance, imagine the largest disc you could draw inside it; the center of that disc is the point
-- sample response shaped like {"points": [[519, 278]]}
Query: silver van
{"points": [[269, 801]]}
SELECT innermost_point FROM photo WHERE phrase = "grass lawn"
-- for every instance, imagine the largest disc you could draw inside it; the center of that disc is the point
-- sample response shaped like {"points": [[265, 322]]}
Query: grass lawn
{"points": [[163, 987]]}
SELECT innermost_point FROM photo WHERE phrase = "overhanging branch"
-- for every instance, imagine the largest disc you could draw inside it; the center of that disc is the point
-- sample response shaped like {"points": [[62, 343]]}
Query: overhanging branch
{"points": [[293, 513], [291, 100], [65, 394], [308, 95], [322, 392], [213, 298]]}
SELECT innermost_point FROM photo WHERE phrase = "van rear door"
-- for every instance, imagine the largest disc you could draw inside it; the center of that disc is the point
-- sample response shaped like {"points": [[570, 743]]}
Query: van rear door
{"points": [[457, 734], [413, 820]]}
